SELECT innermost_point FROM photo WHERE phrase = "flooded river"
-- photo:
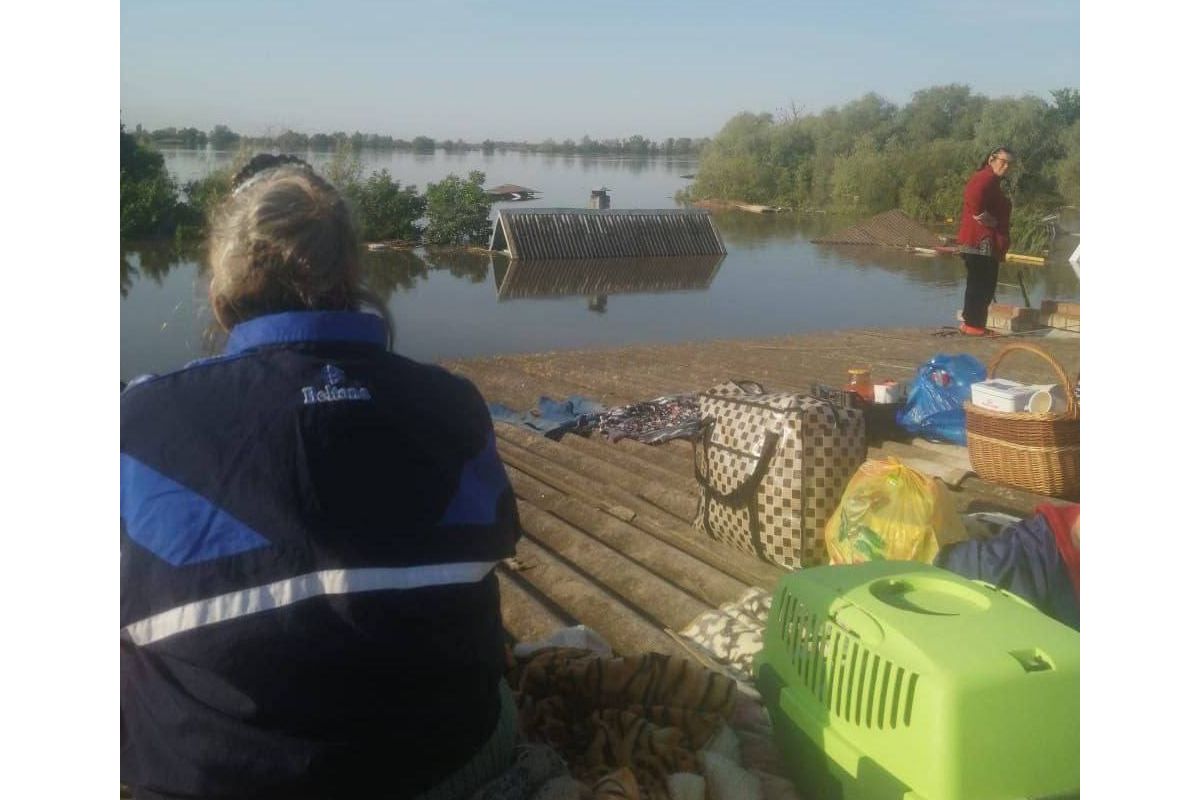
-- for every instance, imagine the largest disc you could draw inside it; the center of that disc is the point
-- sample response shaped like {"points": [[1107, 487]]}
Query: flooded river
{"points": [[773, 281]]}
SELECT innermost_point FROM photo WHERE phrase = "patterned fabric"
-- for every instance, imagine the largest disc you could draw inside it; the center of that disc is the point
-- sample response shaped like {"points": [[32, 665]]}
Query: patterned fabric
{"points": [[675, 416], [772, 468], [733, 634], [648, 714]]}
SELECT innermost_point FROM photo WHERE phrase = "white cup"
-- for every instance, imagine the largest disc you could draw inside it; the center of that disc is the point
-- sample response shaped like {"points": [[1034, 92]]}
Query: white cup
{"points": [[887, 393], [1047, 399]]}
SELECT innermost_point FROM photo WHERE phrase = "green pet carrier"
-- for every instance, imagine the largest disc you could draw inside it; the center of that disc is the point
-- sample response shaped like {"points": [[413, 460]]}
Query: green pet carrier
{"points": [[893, 679]]}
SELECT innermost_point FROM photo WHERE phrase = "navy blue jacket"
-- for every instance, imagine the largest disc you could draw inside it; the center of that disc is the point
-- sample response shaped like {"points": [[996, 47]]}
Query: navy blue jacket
{"points": [[309, 527], [1023, 559]]}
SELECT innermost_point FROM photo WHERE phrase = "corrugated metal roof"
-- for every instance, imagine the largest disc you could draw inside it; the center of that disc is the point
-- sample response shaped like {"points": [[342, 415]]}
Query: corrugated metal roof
{"points": [[512, 188], [890, 229], [525, 278], [571, 233]]}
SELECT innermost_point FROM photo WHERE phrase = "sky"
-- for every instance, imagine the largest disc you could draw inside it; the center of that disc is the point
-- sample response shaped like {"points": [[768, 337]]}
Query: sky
{"points": [[536, 70]]}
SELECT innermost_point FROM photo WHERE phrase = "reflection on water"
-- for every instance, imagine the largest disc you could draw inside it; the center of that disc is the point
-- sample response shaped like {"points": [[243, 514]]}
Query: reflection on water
{"points": [[386, 273], [773, 281], [466, 264], [602, 277], [153, 260]]}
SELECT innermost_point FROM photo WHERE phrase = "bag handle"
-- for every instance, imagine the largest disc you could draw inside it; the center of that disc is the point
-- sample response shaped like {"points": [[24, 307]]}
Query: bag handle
{"points": [[758, 388], [745, 494], [1068, 386], [750, 484]]}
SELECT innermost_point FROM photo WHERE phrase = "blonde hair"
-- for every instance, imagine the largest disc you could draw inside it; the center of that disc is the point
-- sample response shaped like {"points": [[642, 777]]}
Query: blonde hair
{"points": [[284, 241]]}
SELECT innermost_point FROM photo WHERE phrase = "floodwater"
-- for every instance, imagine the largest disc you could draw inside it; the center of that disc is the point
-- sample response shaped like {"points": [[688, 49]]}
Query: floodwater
{"points": [[449, 304]]}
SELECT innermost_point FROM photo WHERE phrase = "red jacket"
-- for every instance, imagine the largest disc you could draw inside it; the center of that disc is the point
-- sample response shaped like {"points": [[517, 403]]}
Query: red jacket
{"points": [[1062, 518], [983, 193]]}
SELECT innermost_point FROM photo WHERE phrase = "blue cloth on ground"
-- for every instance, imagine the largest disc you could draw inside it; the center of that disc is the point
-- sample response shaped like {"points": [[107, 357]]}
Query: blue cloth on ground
{"points": [[1022, 559], [551, 418]]}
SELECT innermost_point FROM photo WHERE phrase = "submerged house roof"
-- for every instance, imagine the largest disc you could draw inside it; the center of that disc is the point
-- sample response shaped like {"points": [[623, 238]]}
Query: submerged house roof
{"points": [[511, 188], [571, 233], [583, 276], [890, 229]]}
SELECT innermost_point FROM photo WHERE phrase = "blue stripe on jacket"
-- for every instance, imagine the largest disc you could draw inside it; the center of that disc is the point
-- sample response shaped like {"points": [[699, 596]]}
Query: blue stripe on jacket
{"points": [[175, 523]]}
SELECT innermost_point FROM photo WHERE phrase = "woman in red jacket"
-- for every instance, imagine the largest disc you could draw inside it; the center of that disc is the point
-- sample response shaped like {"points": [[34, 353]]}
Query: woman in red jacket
{"points": [[983, 237]]}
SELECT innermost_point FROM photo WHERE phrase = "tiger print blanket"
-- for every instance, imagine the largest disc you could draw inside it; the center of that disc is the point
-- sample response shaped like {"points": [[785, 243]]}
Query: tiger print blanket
{"points": [[632, 719]]}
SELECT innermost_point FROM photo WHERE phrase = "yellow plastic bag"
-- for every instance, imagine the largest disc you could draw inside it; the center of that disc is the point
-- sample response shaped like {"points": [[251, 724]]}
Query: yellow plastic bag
{"points": [[892, 512]]}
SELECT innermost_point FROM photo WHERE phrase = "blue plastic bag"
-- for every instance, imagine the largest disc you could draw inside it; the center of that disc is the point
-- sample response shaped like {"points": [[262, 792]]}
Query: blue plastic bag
{"points": [[935, 397]]}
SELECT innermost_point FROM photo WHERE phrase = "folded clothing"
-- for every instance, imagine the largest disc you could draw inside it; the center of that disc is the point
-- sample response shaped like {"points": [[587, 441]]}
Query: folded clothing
{"points": [[551, 418]]}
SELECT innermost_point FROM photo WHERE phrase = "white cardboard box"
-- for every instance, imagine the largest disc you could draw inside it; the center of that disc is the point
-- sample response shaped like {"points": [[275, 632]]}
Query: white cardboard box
{"points": [[999, 394]]}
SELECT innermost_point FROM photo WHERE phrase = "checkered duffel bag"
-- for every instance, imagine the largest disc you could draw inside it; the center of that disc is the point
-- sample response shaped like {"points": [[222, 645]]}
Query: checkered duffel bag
{"points": [[772, 468]]}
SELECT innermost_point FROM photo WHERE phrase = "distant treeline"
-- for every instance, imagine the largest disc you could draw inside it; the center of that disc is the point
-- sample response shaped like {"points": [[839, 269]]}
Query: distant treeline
{"points": [[222, 138], [871, 155], [453, 211]]}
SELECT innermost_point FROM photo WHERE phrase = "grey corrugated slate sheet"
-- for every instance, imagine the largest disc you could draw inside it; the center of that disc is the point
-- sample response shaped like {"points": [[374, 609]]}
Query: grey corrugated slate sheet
{"points": [[890, 229], [562, 233], [525, 278]]}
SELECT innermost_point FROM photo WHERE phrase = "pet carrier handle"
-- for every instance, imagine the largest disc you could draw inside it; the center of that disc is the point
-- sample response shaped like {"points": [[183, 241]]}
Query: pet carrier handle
{"points": [[1068, 386]]}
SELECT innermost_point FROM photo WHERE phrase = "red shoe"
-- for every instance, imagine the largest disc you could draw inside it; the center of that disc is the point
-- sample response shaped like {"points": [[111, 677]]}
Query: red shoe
{"points": [[971, 330]]}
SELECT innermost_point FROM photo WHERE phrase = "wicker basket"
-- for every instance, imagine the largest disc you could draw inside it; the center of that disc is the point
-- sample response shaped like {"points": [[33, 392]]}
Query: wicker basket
{"points": [[1035, 452]]}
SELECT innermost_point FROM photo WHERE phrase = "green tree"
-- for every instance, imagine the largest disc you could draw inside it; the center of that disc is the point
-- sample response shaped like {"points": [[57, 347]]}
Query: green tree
{"points": [[345, 169], [423, 144], [865, 179], [737, 165], [458, 210], [292, 142], [637, 145], [869, 155], [222, 138], [1027, 125], [149, 197], [204, 196], [941, 112], [1066, 169], [385, 211], [1066, 105]]}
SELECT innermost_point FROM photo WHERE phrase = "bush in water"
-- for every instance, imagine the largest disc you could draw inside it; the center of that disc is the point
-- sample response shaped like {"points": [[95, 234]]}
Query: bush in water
{"points": [[149, 197], [458, 210], [384, 210]]}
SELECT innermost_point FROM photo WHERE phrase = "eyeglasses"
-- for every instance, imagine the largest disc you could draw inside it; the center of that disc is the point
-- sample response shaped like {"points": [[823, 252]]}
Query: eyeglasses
{"points": [[1003, 160]]}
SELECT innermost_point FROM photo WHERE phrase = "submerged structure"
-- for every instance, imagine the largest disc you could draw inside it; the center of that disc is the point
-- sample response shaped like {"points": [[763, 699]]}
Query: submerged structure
{"points": [[584, 233], [510, 191], [890, 229], [602, 277]]}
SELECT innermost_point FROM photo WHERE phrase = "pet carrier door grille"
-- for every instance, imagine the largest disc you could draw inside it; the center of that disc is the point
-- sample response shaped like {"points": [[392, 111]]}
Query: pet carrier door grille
{"points": [[843, 674]]}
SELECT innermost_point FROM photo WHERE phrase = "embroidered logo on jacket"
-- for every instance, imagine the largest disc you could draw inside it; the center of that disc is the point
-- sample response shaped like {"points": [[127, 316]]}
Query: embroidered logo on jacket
{"points": [[335, 390]]}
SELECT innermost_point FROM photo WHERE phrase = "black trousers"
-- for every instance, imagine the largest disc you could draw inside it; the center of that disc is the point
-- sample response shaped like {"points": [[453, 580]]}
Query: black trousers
{"points": [[982, 272]]}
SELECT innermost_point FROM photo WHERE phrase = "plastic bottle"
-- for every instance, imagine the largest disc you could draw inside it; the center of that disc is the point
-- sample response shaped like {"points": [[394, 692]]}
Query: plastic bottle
{"points": [[860, 383]]}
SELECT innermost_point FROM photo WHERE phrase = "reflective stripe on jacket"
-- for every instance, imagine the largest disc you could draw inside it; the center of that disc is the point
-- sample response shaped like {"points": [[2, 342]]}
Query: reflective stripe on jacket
{"points": [[309, 527]]}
